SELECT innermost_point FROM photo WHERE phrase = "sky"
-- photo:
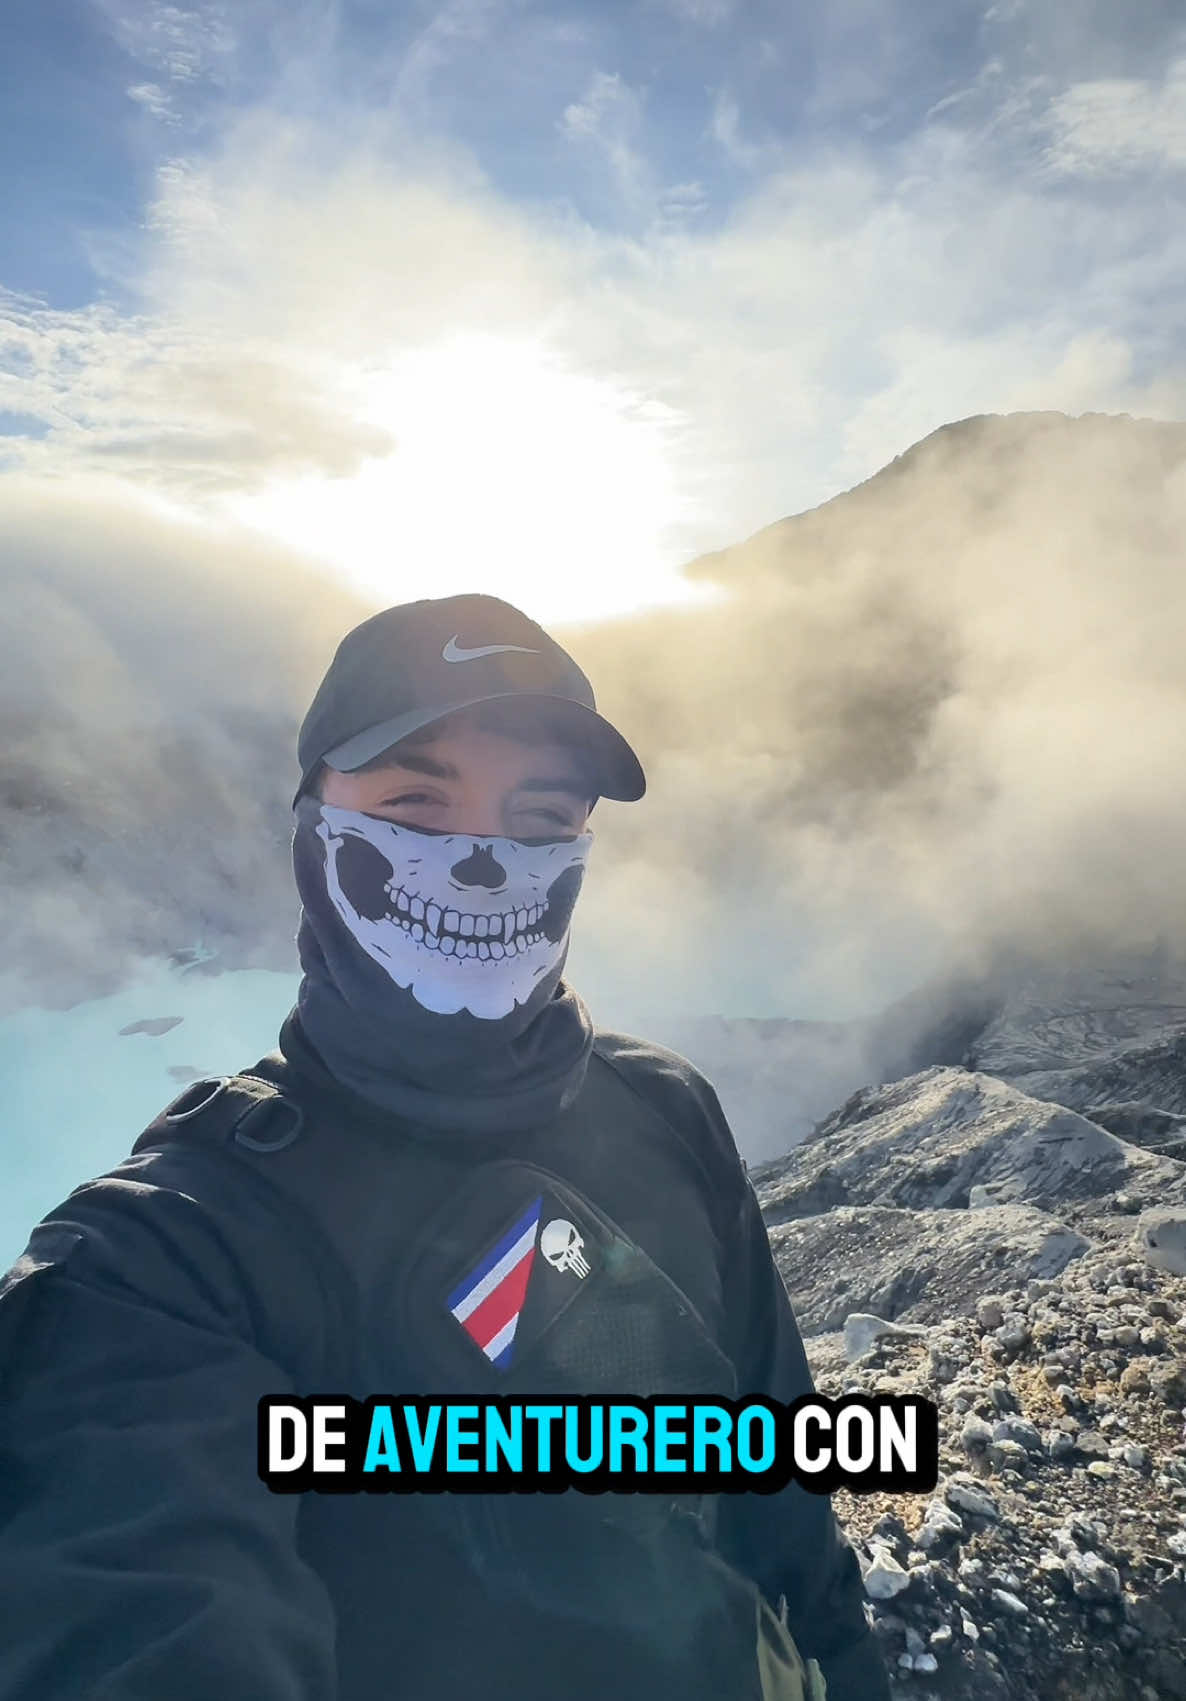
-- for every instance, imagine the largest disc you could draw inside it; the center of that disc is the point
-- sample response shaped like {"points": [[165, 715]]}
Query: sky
{"points": [[546, 300]]}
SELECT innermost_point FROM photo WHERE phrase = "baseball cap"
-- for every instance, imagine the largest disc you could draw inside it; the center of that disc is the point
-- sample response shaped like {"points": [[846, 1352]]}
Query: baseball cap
{"points": [[413, 664]]}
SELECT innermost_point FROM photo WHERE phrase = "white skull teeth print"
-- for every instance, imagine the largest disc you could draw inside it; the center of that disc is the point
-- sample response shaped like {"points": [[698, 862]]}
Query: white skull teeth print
{"points": [[463, 923], [461, 933]]}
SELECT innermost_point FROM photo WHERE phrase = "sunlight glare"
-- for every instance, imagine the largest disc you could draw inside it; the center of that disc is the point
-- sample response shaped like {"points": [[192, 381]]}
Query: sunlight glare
{"points": [[510, 475]]}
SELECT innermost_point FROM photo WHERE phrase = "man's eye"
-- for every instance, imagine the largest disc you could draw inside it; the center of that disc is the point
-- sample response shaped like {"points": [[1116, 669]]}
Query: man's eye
{"points": [[407, 797]]}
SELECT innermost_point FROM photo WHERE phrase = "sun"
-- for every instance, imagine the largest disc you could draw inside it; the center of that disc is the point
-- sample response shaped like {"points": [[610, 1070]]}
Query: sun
{"points": [[511, 474]]}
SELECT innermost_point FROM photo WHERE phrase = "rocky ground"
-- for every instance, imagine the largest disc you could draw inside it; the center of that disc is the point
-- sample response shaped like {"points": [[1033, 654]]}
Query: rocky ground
{"points": [[1049, 1561], [1021, 1261]]}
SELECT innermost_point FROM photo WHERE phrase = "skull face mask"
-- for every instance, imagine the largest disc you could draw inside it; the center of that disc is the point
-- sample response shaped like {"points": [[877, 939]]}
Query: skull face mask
{"points": [[463, 923], [432, 969]]}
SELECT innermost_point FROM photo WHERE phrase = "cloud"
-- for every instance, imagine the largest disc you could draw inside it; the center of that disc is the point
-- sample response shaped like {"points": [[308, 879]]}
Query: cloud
{"points": [[608, 117], [725, 128], [702, 14], [1113, 127], [154, 100], [164, 406], [184, 44], [843, 306]]}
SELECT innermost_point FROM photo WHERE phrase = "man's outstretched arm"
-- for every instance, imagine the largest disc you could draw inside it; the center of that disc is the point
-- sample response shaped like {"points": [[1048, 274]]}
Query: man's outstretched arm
{"points": [[140, 1555]]}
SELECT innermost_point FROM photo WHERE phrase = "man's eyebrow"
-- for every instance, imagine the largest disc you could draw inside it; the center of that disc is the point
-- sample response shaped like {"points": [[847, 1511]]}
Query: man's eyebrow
{"points": [[562, 782], [446, 771], [424, 765]]}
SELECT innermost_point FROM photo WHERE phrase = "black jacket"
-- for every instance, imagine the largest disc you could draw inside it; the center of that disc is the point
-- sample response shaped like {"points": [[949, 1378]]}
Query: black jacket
{"points": [[141, 1559]]}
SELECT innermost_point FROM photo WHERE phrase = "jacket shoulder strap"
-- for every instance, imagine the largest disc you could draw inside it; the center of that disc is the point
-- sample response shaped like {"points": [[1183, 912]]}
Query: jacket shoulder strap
{"points": [[347, 1189]]}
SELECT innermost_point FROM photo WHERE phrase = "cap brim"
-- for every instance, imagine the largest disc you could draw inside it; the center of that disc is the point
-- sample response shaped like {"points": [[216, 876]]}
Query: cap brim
{"points": [[619, 772]]}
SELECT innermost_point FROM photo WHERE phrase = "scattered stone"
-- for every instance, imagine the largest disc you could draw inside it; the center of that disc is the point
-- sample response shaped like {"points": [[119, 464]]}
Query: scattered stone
{"points": [[990, 1313], [1007, 1456], [862, 1331], [1005, 1598], [884, 1577], [1092, 1578], [1019, 1430], [1161, 1235], [940, 1526], [975, 1435], [966, 1494]]}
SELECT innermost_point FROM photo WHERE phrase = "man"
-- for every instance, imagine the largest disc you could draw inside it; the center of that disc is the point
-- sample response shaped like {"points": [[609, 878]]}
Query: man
{"points": [[341, 1218]]}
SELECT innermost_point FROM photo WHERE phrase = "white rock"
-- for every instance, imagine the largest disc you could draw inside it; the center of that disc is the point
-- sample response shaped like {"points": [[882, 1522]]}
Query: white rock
{"points": [[884, 1577], [1161, 1235], [862, 1330], [1005, 1598]]}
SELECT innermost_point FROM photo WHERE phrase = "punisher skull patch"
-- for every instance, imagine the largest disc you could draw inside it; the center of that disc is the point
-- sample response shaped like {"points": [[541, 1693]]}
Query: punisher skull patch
{"points": [[521, 1282]]}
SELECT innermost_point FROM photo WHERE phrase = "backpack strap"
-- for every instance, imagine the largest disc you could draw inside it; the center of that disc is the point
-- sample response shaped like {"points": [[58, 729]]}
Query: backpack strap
{"points": [[341, 1187]]}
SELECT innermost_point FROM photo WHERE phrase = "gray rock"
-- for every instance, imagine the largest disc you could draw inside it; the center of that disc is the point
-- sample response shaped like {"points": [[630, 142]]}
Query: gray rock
{"points": [[1093, 1578], [967, 1494], [976, 1434], [1014, 1332], [940, 1527], [1021, 1431], [990, 1312], [1008, 1455]]}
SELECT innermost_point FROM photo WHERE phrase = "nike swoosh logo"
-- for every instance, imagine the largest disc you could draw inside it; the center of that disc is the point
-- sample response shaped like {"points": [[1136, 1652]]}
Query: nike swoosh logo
{"points": [[452, 652]]}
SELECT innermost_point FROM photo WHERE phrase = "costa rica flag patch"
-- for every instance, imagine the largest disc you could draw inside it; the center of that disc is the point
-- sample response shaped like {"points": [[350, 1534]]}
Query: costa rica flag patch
{"points": [[488, 1301]]}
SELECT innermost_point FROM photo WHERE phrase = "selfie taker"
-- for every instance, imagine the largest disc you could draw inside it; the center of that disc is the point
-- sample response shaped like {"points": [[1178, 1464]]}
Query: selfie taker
{"points": [[447, 1181]]}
